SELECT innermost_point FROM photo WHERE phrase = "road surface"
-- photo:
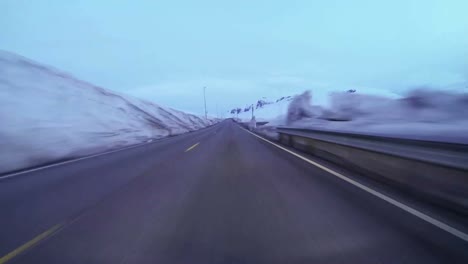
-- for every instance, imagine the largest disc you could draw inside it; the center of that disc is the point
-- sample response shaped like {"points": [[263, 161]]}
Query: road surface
{"points": [[218, 195]]}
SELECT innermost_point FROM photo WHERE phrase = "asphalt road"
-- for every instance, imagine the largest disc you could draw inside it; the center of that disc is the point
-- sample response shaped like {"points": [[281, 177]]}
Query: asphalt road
{"points": [[218, 195]]}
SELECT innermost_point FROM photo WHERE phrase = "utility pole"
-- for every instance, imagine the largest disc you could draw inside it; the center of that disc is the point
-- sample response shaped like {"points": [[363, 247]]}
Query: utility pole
{"points": [[252, 111], [204, 97]]}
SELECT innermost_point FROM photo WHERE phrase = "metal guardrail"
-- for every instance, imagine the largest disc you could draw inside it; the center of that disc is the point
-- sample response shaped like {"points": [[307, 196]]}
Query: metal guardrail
{"points": [[437, 171], [260, 123], [445, 154]]}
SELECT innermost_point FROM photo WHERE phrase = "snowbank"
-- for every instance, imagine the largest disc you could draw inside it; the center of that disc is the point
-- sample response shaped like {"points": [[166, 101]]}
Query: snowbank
{"points": [[47, 115], [422, 114], [300, 108]]}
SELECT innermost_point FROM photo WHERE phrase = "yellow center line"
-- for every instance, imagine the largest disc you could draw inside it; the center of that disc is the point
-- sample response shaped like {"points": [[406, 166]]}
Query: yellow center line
{"points": [[192, 147], [30, 243]]}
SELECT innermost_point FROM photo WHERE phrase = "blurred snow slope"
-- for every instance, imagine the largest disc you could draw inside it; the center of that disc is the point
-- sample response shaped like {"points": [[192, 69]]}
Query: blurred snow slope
{"points": [[46, 115], [273, 109], [424, 114]]}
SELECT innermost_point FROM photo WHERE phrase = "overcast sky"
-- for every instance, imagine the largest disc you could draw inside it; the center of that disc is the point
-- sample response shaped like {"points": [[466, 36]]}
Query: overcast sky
{"points": [[166, 51]]}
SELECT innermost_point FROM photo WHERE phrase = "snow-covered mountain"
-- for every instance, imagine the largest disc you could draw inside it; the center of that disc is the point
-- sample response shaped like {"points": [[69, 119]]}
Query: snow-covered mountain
{"points": [[274, 111], [429, 114], [264, 109], [47, 115]]}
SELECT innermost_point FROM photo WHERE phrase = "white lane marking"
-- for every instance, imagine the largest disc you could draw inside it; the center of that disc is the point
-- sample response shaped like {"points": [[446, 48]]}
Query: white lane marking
{"points": [[89, 157], [71, 161], [392, 201]]}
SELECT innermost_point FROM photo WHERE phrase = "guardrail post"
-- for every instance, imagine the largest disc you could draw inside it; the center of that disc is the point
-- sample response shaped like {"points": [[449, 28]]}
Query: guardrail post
{"points": [[285, 139]]}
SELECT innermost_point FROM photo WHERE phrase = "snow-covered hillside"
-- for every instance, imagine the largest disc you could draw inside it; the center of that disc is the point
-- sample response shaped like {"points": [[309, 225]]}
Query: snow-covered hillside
{"points": [[264, 109], [274, 111], [47, 115], [426, 114], [422, 114]]}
